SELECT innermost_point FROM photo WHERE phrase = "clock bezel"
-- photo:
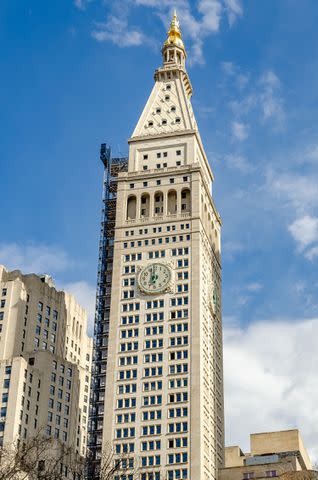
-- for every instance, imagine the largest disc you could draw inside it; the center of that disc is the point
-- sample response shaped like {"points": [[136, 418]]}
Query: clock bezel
{"points": [[166, 288]]}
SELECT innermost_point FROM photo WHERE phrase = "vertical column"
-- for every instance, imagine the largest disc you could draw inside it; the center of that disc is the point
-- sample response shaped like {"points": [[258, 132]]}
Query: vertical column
{"points": [[151, 205], [138, 205]]}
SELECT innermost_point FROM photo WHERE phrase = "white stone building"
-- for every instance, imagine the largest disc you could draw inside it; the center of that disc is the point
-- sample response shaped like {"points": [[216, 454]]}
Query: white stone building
{"points": [[45, 362], [164, 382]]}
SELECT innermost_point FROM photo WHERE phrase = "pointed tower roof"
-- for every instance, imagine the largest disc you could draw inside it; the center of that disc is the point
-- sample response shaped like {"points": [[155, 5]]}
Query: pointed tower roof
{"points": [[174, 34]]}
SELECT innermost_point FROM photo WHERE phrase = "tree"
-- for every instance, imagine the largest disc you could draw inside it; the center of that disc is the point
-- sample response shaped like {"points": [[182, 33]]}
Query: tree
{"points": [[39, 457], [45, 458]]}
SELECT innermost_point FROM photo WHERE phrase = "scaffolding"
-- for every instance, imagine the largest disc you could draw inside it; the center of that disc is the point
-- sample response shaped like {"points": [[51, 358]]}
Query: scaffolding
{"points": [[112, 167]]}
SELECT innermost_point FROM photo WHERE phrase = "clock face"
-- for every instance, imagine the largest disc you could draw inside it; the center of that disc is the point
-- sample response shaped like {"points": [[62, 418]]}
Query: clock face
{"points": [[154, 278]]}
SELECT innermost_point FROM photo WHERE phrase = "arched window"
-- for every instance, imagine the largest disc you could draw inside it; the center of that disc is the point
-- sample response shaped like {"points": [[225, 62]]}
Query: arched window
{"points": [[172, 202], [158, 203], [145, 205], [185, 201], [131, 208]]}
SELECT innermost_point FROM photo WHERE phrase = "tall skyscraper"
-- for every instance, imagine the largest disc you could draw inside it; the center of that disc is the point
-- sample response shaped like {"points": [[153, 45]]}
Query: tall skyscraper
{"points": [[163, 402], [45, 362]]}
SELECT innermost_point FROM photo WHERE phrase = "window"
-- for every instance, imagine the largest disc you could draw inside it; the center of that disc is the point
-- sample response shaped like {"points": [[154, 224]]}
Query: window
{"points": [[150, 123], [145, 184], [271, 473], [145, 167], [158, 110], [132, 185], [171, 180], [6, 383], [158, 155], [40, 306], [178, 120], [167, 97], [158, 165], [164, 122], [158, 183], [168, 86], [248, 475], [173, 108], [145, 157], [178, 152], [3, 302], [4, 292]]}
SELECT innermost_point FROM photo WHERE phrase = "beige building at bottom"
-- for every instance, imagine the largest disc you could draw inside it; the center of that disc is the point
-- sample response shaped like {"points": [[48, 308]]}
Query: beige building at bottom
{"points": [[45, 362], [272, 454]]}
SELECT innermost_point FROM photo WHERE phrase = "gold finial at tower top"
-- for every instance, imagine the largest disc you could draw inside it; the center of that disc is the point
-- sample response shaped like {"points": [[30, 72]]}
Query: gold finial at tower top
{"points": [[174, 34]]}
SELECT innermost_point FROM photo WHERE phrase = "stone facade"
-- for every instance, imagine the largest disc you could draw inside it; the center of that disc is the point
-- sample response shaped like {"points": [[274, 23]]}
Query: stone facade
{"points": [[164, 382], [45, 362], [272, 454]]}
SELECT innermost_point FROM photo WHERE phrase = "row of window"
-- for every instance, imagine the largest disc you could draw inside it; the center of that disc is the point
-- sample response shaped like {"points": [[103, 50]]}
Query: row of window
{"points": [[130, 269], [178, 397], [56, 433], [145, 231], [151, 430], [161, 154], [58, 406], [164, 122], [155, 330], [158, 181], [154, 241], [47, 310], [153, 317], [180, 288]]}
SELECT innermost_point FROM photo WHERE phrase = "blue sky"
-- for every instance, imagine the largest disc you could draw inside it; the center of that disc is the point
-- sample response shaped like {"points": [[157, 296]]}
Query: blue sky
{"points": [[75, 74]]}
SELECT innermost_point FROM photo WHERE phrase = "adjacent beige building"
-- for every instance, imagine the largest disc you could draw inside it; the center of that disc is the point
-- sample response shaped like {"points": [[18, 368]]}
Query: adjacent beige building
{"points": [[164, 382], [272, 454], [45, 362]]}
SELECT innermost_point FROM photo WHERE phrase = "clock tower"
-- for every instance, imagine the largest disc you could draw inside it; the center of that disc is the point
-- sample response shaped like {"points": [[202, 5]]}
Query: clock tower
{"points": [[163, 412]]}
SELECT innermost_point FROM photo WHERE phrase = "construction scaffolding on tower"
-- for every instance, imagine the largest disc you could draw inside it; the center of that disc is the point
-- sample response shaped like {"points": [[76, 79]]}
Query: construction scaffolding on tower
{"points": [[112, 167]]}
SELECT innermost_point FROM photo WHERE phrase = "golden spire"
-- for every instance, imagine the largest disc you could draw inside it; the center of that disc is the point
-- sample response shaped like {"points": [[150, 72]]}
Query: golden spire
{"points": [[174, 34]]}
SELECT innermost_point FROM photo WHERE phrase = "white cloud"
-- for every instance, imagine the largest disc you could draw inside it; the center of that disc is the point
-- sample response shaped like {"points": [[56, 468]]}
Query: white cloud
{"points": [[254, 287], [231, 249], [197, 26], [304, 230], [228, 68], [240, 131], [85, 295], [264, 98], [312, 253], [264, 372], [270, 101], [117, 31], [232, 70], [81, 4], [300, 191], [34, 258], [238, 162], [234, 10]]}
